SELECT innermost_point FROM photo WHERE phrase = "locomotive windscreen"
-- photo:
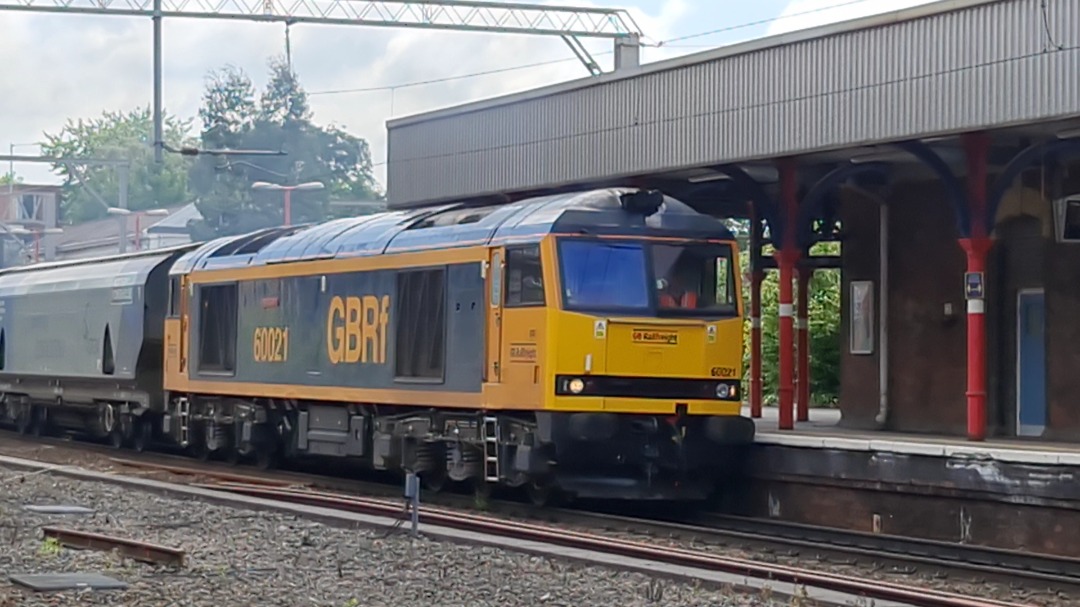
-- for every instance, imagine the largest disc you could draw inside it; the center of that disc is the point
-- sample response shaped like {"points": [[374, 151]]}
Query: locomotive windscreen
{"points": [[696, 278]]}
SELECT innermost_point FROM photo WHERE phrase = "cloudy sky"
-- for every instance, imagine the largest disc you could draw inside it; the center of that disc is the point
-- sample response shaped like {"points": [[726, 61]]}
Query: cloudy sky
{"points": [[61, 67]]}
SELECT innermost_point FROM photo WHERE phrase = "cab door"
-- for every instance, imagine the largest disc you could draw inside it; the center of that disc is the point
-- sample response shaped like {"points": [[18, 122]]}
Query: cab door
{"points": [[495, 269], [185, 293]]}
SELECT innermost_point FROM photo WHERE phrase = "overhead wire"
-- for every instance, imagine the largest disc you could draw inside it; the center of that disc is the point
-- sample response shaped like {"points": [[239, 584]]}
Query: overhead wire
{"points": [[513, 68]]}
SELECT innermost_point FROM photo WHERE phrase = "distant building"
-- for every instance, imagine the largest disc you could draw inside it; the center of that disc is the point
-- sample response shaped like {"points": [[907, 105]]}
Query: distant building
{"points": [[26, 210], [102, 236]]}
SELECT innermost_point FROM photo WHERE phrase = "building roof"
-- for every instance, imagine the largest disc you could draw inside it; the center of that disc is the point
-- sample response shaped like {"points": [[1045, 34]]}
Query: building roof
{"points": [[925, 72], [177, 221], [106, 232], [451, 226]]}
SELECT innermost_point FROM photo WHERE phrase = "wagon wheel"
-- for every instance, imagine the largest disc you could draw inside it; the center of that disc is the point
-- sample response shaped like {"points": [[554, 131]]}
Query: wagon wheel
{"points": [[38, 420], [24, 420], [116, 438]]}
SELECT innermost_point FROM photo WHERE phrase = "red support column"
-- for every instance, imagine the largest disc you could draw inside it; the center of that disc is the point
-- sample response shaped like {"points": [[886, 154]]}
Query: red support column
{"points": [[803, 327], [755, 343], [756, 276], [786, 257], [976, 247]]}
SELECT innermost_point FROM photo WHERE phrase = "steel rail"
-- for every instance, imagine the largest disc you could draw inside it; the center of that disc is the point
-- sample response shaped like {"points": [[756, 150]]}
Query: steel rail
{"points": [[134, 549], [188, 471], [985, 559], [875, 589]]}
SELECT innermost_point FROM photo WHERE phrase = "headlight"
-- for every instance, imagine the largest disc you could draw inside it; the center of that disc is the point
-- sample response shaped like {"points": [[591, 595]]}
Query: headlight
{"points": [[723, 390], [576, 386]]}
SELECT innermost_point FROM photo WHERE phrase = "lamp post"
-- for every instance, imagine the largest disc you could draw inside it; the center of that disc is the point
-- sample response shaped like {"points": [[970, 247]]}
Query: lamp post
{"points": [[124, 213], [288, 189]]}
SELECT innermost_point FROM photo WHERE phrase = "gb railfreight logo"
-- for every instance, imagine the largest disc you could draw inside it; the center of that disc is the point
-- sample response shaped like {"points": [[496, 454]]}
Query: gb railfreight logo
{"points": [[652, 336]]}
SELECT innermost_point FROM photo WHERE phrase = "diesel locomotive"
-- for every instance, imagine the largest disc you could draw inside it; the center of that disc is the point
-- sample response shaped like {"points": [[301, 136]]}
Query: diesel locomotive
{"points": [[587, 342]]}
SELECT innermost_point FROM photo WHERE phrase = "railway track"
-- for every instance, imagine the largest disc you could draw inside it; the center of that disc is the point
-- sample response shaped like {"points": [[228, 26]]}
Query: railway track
{"points": [[896, 594], [980, 559], [1009, 566]]}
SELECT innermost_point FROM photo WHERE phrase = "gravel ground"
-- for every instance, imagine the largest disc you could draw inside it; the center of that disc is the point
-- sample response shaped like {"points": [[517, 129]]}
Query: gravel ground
{"points": [[238, 557], [1031, 594]]}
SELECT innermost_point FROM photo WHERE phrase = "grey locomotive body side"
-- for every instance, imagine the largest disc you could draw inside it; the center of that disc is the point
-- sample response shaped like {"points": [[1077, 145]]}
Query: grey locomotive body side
{"points": [[344, 330]]}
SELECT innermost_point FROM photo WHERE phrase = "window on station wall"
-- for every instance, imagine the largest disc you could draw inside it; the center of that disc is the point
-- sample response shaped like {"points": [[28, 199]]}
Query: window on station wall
{"points": [[217, 328], [524, 277], [1067, 211], [420, 347]]}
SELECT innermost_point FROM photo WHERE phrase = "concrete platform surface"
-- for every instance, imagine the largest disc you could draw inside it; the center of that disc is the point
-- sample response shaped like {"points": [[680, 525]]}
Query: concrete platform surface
{"points": [[822, 432]]}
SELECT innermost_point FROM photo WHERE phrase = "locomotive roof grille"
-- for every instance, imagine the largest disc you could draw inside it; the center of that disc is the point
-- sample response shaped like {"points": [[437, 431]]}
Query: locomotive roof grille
{"points": [[614, 211]]}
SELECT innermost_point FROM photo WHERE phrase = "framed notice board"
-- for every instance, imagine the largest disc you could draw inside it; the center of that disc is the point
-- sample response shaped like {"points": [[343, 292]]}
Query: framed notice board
{"points": [[861, 320]]}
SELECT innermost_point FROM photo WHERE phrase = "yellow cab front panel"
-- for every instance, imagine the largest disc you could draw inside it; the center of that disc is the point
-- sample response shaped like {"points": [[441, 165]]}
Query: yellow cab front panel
{"points": [[647, 326]]}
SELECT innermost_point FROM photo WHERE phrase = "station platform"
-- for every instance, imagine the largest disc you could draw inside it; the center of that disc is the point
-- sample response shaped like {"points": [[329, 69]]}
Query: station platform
{"points": [[822, 432], [1017, 494]]}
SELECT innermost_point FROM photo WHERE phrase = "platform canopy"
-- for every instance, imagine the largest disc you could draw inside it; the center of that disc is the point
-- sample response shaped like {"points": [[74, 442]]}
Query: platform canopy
{"points": [[920, 73]]}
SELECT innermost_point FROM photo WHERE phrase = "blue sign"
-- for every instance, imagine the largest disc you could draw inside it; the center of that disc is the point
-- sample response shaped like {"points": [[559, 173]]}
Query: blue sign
{"points": [[974, 285]]}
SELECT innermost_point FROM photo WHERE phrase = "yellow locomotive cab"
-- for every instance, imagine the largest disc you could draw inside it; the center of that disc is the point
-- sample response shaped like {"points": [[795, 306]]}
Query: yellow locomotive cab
{"points": [[647, 326]]}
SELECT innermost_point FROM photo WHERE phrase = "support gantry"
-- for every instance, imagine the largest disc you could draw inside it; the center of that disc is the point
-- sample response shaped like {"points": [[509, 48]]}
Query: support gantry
{"points": [[568, 22]]}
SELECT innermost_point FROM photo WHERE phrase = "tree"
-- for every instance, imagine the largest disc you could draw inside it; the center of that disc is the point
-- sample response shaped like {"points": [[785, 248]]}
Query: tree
{"points": [[118, 135], [824, 331], [280, 120]]}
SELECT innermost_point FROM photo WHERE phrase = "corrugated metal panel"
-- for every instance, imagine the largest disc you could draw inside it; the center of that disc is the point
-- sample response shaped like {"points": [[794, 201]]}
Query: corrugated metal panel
{"points": [[976, 67]]}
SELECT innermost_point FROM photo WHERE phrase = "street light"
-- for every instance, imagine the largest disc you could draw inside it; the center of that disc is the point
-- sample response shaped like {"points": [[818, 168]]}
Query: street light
{"points": [[123, 213], [288, 189]]}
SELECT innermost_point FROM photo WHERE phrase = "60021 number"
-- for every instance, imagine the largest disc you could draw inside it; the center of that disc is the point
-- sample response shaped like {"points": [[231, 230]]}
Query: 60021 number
{"points": [[271, 345]]}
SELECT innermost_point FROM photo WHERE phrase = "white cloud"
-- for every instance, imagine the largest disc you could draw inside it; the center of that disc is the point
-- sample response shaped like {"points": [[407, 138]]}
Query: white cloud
{"points": [[803, 14], [68, 66]]}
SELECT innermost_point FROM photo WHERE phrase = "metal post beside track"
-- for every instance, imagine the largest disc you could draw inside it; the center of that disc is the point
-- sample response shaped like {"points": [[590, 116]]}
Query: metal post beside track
{"points": [[412, 494]]}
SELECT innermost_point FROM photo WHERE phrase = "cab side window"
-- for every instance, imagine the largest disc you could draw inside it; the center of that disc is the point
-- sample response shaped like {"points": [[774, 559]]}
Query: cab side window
{"points": [[524, 276], [175, 293]]}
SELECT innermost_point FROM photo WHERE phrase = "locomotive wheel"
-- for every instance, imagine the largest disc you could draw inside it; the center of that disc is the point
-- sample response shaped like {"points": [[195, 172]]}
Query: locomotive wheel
{"points": [[199, 450], [141, 434], [266, 457], [433, 480], [232, 455], [481, 492], [541, 493]]}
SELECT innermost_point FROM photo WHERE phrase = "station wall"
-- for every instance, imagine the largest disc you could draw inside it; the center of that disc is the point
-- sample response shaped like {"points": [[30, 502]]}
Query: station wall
{"points": [[927, 327]]}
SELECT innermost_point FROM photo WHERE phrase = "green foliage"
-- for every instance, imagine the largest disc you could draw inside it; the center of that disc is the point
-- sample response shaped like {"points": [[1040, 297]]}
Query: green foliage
{"points": [[117, 135], [9, 178], [280, 120], [824, 332]]}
